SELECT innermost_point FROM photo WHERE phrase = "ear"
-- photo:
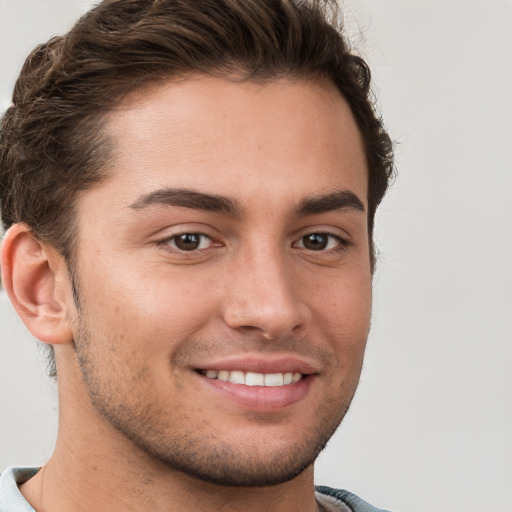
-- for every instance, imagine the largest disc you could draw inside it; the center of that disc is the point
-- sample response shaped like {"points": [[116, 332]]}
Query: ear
{"points": [[36, 279]]}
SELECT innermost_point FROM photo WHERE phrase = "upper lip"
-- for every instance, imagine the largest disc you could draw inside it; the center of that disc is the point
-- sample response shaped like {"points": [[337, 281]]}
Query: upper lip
{"points": [[258, 364]]}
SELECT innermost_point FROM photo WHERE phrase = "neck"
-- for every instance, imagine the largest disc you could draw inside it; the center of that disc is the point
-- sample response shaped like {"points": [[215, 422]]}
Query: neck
{"points": [[74, 480]]}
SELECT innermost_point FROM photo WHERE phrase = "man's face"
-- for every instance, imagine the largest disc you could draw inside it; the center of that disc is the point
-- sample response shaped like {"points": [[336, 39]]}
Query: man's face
{"points": [[224, 278]]}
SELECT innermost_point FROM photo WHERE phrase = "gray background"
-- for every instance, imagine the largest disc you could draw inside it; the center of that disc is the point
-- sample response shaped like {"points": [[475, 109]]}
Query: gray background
{"points": [[430, 428]]}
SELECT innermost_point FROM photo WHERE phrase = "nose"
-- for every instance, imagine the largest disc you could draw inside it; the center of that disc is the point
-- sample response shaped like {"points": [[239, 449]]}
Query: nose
{"points": [[263, 295]]}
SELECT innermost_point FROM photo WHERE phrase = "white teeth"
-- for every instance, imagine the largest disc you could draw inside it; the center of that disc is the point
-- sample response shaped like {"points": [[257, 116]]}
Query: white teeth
{"points": [[274, 379], [254, 379], [237, 377], [223, 375]]}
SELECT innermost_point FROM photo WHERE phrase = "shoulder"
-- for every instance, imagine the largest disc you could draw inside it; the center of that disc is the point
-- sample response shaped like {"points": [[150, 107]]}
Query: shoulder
{"points": [[11, 499], [340, 496]]}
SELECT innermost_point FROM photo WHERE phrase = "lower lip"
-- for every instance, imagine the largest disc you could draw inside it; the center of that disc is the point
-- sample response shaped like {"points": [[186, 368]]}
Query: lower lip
{"points": [[262, 398]]}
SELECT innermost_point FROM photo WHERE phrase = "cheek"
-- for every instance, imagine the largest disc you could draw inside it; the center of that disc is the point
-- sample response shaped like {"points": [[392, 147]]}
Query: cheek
{"points": [[147, 317], [343, 311], [175, 306], [347, 300]]}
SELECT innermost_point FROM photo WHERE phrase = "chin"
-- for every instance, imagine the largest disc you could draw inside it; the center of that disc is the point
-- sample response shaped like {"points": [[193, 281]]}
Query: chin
{"points": [[250, 461], [235, 468]]}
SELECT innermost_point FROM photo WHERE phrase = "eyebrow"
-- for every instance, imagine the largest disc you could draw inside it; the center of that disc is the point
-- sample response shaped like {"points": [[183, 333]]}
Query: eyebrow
{"points": [[189, 199], [334, 201]]}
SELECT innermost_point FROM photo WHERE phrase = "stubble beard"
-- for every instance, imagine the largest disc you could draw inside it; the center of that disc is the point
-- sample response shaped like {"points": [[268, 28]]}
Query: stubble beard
{"points": [[197, 452]]}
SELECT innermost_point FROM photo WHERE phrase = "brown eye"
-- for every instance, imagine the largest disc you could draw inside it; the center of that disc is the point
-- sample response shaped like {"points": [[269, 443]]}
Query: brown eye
{"points": [[315, 241], [320, 242], [190, 241]]}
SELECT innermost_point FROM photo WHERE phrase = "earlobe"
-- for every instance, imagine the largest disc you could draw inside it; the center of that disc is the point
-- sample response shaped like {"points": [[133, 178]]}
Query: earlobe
{"points": [[35, 278]]}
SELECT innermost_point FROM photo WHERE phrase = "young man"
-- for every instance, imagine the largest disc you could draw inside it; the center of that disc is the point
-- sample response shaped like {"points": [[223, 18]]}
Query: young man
{"points": [[189, 190]]}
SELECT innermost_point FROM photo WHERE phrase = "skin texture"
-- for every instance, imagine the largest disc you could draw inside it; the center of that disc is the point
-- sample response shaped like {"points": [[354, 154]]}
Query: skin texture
{"points": [[258, 292]]}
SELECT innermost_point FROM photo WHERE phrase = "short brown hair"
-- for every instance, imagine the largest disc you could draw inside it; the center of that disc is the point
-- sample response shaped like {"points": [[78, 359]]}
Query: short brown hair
{"points": [[51, 142]]}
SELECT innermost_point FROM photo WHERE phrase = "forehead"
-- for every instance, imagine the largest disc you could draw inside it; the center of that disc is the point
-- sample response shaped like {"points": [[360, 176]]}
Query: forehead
{"points": [[235, 138]]}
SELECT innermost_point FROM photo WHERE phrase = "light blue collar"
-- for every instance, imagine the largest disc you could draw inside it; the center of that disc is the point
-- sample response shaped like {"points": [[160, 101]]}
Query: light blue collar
{"points": [[11, 499]]}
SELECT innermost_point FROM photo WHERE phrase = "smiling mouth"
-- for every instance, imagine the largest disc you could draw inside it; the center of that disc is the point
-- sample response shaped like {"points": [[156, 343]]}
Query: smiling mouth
{"points": [[252, 378]]}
